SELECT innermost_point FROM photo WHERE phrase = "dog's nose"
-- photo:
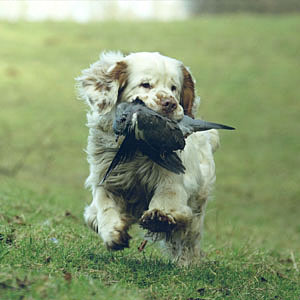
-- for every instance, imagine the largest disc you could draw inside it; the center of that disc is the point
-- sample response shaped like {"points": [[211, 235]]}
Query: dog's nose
{"points": [[169, 104]]}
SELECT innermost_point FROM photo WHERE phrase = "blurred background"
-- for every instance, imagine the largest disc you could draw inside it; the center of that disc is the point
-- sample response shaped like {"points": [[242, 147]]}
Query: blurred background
{"points": [[89, 10], [245, 58]]}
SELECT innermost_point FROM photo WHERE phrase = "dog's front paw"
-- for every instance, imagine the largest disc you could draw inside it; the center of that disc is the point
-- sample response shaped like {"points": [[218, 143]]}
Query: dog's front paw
{"points": [[90, 217], [157, 221], [118, 239], [112, 228]]}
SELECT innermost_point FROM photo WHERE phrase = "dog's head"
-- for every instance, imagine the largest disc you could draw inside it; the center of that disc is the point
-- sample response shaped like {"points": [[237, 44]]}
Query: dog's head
{"points": [[164, 84]]}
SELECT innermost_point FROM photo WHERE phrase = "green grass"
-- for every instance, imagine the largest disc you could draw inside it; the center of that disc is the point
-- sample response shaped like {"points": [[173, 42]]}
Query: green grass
{"points": [[247, 72]]}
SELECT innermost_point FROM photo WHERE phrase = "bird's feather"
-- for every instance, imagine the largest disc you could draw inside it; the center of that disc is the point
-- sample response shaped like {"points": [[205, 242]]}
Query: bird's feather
{"points": [[125, 153], [159, 132], [188, 125], [167, 160]]}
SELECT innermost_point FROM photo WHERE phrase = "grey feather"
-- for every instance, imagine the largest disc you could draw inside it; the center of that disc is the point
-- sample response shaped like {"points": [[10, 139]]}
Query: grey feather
{"points": [[189, 125]]}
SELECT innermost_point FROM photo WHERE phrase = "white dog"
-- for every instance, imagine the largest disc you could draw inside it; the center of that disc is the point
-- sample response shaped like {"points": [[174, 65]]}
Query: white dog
{"points": [[168, 205]]}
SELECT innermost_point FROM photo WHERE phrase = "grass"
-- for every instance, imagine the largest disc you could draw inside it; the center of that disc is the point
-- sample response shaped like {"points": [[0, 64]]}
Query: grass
{"points": [[247, 72]]}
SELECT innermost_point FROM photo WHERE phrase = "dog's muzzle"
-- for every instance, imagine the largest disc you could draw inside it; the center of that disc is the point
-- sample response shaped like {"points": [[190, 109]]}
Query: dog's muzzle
{"points": [[169, 104]]}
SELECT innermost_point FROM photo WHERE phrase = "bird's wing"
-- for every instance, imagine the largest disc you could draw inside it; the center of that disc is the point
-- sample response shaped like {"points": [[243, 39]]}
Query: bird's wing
{"points": [[167, 160], [157, 131], [124, 154]]}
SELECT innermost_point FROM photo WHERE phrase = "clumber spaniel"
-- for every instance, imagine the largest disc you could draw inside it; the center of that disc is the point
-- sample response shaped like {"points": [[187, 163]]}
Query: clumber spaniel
{"points": [[170, 206]]}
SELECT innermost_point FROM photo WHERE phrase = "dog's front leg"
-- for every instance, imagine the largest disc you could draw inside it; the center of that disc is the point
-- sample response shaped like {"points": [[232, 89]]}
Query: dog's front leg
{"points": [[104, 217], [168, 208]]}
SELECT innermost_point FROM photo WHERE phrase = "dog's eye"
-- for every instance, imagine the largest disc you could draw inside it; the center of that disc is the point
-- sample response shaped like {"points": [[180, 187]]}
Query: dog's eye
{"points": [[146, 85], [173, 88]]}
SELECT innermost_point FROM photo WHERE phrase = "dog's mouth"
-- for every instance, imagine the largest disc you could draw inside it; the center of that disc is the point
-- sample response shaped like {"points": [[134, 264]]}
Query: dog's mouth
{"points": [[168, 110], [175, 115], [138, 101]]}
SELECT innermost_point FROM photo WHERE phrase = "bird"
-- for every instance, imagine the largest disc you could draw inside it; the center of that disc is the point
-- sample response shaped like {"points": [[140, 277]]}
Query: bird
{"points": [[154, 135]]}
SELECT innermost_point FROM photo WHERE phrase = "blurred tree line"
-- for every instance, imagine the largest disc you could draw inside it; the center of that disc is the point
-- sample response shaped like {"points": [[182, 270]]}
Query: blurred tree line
{"points": [[253, 6]]}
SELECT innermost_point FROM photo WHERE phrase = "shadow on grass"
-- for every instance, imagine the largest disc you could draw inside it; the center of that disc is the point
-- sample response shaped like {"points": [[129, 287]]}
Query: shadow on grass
{"points": [[144, 271], [216, 278]]}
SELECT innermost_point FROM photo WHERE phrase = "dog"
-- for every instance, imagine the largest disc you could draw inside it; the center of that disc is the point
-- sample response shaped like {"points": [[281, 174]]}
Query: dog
{"points": [[170, 206]]}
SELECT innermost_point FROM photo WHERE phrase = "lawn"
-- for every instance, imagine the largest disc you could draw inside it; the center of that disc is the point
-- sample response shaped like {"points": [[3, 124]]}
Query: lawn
{"points": [[247, 71]]}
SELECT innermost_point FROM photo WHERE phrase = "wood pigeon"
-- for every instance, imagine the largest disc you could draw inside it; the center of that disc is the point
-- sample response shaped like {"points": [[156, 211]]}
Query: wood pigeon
{"points": [[153, 135]]}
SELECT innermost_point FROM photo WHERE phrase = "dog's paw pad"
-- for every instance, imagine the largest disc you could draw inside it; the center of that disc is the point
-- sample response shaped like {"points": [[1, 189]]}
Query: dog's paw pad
{"points": [[157, 221], [120, 241]]}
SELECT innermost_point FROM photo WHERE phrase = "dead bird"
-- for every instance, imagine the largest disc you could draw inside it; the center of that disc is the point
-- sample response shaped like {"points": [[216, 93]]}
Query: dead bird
{"points": [[153, 135]]}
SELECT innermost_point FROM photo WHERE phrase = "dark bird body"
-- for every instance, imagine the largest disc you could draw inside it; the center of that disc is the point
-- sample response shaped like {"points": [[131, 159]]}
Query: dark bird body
{"points": [[154, 135]]}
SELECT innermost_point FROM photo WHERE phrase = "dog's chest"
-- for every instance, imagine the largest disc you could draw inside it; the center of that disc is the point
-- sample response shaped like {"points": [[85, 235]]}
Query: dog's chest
{"points": [[134, 183], [135, 180]]}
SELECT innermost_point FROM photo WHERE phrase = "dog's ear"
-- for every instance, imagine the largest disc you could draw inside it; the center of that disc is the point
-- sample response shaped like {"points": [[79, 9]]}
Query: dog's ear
{"points": [[187, 92], [101, 84]]}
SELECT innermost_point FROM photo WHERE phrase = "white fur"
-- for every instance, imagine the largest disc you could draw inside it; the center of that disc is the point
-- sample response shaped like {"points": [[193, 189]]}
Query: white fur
{"points": [[140, 189]]}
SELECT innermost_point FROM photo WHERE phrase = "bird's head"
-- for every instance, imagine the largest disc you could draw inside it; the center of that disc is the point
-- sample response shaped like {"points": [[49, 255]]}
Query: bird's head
{"points": [[122, 120]]}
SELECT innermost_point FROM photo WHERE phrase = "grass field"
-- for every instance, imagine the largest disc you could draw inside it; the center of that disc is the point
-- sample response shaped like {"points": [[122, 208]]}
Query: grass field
{"points": [[247, 70]]}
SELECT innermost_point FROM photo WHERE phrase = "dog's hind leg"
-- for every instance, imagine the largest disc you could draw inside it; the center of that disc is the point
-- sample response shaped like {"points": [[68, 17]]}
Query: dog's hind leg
{"points": [[184, 244]]}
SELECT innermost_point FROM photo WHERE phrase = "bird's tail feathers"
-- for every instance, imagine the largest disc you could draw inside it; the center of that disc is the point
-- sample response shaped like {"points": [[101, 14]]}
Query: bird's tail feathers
{"points": [[201, 125]]}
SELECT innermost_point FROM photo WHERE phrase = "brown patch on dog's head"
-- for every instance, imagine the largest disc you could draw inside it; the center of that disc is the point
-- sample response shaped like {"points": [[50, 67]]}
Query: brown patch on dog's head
{"points": [[187, 93], [119, 72], [101, 84]]}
